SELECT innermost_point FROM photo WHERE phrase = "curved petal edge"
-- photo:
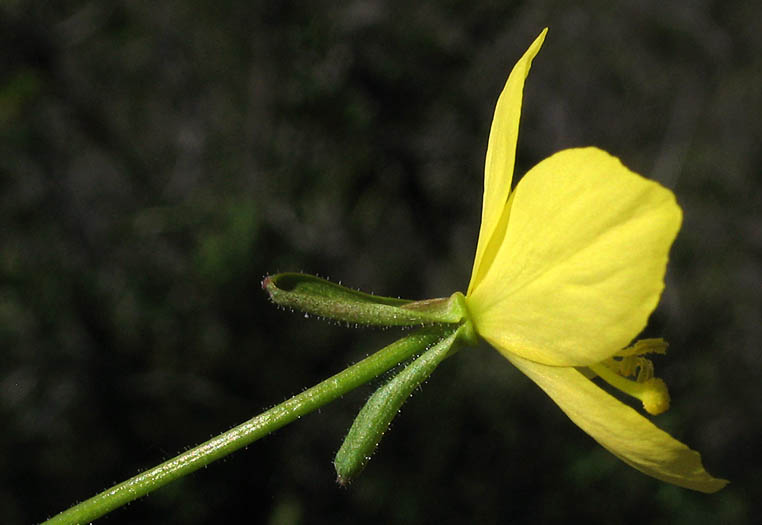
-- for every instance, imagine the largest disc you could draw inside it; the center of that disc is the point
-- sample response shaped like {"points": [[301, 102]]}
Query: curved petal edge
{"points": [[582, 262], [620, 429], [501, 155]]}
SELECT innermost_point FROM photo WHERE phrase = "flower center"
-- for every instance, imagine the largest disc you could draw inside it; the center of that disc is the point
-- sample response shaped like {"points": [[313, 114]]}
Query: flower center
{"points": [[629, 362], [468, 331]]}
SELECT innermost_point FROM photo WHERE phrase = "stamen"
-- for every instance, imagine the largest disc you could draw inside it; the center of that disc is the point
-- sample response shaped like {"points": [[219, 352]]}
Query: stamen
{"points": [[652, 392], [629, 361], [645, 346]]}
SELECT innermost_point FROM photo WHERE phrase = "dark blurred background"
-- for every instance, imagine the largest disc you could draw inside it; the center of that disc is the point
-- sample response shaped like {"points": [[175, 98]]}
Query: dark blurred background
{"points": [[157, 159]]}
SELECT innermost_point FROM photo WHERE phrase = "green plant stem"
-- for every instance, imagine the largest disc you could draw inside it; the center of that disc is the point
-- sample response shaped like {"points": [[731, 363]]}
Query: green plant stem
{"points": [[253, 429]]}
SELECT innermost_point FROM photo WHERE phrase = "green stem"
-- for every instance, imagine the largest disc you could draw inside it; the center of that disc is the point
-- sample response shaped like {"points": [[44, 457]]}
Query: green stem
{"points": [[250, 431]]}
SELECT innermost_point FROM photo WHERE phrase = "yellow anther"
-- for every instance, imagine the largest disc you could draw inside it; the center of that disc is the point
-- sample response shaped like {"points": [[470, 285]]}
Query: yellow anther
{"points": [[629, 362], [630, 365], [645, 346]]}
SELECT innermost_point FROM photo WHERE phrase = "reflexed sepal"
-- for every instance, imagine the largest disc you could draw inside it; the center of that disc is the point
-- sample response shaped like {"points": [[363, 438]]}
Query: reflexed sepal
{"points": [[377, 414], [322, 298]]}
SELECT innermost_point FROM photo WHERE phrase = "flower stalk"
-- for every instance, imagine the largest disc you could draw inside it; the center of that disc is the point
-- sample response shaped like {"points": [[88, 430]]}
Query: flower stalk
{"points": [[252, 430]]}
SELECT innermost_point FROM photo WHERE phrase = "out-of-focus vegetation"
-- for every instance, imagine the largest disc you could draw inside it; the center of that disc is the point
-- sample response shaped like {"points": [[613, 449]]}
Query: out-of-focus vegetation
{"points": [[157, 159]]}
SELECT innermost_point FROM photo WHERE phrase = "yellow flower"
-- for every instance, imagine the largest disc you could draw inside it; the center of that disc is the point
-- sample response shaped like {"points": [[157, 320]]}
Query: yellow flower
{"points": [[568, 268]]}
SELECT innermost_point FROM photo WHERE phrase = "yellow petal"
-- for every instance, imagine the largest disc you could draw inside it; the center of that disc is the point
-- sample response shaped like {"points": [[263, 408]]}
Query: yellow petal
{"points": [[581, 266], [620, 429], [501, 153]]}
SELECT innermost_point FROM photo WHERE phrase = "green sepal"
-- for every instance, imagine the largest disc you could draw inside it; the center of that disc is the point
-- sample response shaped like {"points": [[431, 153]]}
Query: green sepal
{"points": [[378, 412], [322, 298]]}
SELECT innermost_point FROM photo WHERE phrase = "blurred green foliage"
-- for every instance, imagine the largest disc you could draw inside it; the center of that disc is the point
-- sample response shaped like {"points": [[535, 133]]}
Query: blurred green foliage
{"points": [[157, 159]]}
